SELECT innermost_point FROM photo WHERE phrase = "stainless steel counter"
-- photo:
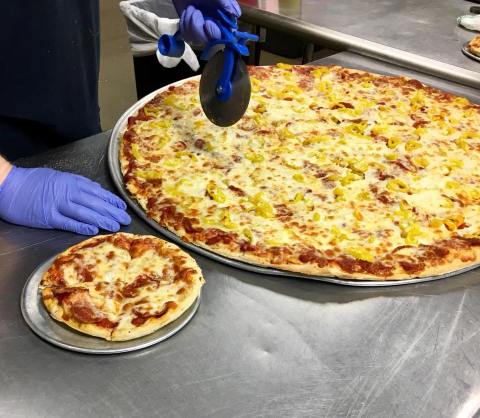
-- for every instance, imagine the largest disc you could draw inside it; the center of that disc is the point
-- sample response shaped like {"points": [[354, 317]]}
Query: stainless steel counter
{"points": [[258, 346], [418, 34]]}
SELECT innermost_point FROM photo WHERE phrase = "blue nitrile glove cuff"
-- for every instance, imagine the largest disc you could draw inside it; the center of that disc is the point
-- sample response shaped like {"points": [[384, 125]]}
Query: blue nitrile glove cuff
{"points": [[7, 179]]}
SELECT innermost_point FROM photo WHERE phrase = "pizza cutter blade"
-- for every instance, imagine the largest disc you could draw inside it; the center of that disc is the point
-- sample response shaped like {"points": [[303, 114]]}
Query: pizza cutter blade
{"points": [[225, 84], [221, 108]]}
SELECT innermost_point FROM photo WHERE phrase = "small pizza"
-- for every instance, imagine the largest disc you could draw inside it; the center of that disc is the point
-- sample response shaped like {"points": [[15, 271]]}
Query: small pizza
{"points": [[332, 171], [474, 45], [121, 286]]}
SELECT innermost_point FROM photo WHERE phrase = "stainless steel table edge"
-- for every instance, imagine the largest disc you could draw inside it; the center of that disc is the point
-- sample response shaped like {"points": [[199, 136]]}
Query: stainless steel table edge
{"points": [[342, 41], [30, 297], [115, 172]]}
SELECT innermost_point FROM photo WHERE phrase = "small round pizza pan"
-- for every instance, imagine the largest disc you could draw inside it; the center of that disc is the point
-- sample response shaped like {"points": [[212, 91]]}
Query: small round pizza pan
{"points": [[56, 333], [467, 52], [116, 174]]}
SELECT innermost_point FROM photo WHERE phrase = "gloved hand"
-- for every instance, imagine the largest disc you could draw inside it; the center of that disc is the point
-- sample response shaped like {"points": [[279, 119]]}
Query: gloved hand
{"points": [[45, 198], [193, 27]]}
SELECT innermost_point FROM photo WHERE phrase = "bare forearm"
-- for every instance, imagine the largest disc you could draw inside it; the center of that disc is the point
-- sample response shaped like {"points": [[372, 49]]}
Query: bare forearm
{"points": [[5, 168]]}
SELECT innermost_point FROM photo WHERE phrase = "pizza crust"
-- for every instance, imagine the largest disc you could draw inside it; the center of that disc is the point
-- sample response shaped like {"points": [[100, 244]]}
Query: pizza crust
{"points": [[454, 264]]}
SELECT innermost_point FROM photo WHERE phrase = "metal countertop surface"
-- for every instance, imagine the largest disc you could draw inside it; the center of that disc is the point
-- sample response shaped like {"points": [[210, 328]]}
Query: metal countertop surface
{"points": [[258, 345], [408, 32]]}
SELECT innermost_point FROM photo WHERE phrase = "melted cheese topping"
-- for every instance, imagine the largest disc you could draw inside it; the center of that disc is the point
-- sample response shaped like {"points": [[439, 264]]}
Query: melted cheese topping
{"points": [[124, 285], [474, 45], [335, 159]]}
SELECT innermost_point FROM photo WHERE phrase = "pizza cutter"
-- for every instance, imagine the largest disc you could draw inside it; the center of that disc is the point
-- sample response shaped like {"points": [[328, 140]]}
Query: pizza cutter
{"points": [[171, 46], [225, 84]]}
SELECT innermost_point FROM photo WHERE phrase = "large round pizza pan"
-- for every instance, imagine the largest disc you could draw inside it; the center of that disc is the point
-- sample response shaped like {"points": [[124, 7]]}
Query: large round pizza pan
{"points": [[466, 51], [116, 173], [56, 333]]}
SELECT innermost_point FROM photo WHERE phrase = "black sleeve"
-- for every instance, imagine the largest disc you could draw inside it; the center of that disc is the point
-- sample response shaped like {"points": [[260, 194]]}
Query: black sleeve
{"points": [[49, 73]]}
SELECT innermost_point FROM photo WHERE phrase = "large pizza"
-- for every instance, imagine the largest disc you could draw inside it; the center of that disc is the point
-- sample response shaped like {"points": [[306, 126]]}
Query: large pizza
{"points": [[331, 171], [120, 286]]}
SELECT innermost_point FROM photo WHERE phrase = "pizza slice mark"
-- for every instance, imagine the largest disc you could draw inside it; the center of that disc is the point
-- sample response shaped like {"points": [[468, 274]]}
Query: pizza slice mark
{"points": [[153, 280], [147, 273], [142, 316], [111, 290], [63, 272], [153, 266], [54, 277], [109, 296], [112, 259], [78, 304]]}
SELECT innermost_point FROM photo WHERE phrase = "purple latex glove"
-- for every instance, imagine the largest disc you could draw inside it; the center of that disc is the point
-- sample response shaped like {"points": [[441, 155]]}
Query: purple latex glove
{"points": [[45, 198], [193, 27]]}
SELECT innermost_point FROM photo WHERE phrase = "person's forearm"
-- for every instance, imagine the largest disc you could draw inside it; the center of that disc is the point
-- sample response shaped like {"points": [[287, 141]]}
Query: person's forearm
{"points": [[5, 168]]}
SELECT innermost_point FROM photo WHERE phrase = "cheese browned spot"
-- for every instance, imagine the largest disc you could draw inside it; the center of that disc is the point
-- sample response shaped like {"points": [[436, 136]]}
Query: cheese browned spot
{"points": [[120, 286], [330, 171]]}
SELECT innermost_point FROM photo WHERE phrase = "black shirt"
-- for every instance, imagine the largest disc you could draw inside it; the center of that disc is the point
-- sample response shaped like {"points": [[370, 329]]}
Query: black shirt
{"points": [[48, 74]]}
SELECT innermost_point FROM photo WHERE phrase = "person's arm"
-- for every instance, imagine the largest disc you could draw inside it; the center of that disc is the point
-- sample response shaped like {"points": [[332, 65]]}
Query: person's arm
{"points": [[46, 198], [5, 168]]}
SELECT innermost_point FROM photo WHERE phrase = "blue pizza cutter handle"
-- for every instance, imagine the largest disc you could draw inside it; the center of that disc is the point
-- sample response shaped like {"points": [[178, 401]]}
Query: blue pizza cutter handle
{"points": [[171, 46], [235, 46]]}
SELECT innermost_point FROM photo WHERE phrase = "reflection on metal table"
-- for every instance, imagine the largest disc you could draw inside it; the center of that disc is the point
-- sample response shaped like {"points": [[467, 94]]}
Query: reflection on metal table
{"points": [[258, 345], [422, 35]]}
